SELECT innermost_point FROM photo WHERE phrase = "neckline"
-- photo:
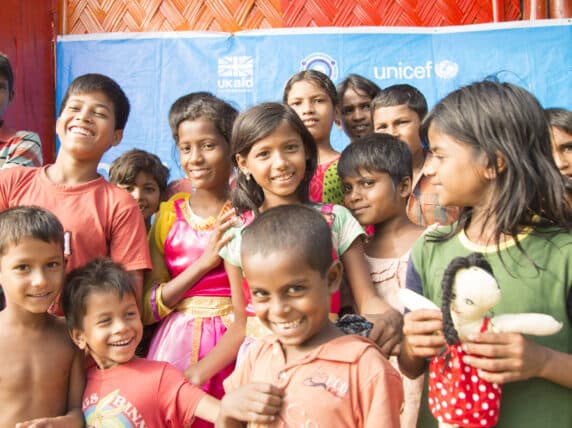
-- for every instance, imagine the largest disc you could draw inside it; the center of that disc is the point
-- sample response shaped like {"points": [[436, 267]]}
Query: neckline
{"points": [[510, 242]]}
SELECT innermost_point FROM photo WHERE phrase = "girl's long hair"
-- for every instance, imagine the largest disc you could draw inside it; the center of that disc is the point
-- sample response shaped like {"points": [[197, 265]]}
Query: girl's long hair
{"points": [[253, 125], [504, 119]]}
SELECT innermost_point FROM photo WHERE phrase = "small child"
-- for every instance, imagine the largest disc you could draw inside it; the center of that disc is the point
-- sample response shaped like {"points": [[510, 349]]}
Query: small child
{"points": [[99, 219], [560, 121], [376, 172], [491, 156], [101, 310], [320, 376], [144, 176], [355, 93], [41, 372], [17, 148], [398, 110], [312, 95]]}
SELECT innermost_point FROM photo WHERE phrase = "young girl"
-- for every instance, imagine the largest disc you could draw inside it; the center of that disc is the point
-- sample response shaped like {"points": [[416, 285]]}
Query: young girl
{"points": [[377, 180], [313, 97], [560, 121], [144, 176], [276, 156], [491, 156], [188, 290]]}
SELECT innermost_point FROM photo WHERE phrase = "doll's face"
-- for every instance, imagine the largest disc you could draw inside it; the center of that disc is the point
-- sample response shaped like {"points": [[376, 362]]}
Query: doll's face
{"points": [[476, 292]]}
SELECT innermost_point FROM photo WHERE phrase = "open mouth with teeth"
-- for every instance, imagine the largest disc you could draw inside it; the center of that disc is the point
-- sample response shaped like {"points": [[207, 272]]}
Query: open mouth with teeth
{"points": [[123, 343], [286, 328], [310, 122], [283, 177], [78, 130]]}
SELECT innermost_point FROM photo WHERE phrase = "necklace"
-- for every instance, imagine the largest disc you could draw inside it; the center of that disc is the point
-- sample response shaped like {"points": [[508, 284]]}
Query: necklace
{"points": [[200, 223]]}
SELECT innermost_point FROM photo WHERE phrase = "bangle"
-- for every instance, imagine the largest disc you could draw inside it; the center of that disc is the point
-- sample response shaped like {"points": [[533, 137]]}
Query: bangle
{"points": [[154, 307]]}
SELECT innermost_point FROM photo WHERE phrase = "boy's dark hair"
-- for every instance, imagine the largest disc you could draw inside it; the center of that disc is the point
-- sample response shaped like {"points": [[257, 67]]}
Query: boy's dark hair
{"points": [[23, 222], [403, 94], [559, 118], [377, 153], [253, 125], [93, 82], [195, 105], [296, 229], [359, 84], [101, 275], [7, 72], [125, 168], [314, 76]]}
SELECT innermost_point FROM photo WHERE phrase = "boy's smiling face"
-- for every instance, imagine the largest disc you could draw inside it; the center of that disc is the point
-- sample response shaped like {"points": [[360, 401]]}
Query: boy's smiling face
{"points": [[291, 298], [86, 126], [31, 274], [111, 330]]}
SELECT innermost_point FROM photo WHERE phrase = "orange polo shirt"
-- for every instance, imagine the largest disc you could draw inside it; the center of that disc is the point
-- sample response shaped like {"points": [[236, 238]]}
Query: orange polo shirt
{"points": [[346, 382]]}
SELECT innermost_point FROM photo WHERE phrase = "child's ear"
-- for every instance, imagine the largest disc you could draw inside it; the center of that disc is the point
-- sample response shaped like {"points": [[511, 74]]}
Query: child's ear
{"points": [[338, 119], [78, 338], [334, 276], [491, 172], [241, 162], [117, 136], [404, 188]]}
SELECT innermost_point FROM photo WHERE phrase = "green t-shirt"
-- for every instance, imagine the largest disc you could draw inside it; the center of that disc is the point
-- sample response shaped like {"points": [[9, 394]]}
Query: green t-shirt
{"points": [[534, 403]]}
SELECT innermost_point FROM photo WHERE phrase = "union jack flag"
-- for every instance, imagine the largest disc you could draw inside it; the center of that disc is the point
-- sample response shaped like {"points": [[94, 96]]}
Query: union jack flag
{"points": [[236, 66]]}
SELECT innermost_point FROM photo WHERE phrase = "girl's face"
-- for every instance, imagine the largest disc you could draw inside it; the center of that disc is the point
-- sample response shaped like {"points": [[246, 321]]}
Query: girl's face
{"points": [[373, 198], [146, 192], [315, 108], [278, 164], [460, 176], [204, 154], [562, 152]]}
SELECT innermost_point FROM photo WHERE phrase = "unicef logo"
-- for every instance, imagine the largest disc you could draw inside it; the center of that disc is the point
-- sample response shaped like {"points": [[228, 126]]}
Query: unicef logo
{"points": [[321, 62], [446, 69]]}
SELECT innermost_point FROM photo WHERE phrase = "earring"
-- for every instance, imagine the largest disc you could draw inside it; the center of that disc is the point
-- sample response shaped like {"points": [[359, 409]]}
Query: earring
{"points": [[247, 175]]}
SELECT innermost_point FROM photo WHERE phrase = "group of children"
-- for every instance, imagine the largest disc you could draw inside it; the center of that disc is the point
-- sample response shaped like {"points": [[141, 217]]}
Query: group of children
{"points": [[240, 283]]}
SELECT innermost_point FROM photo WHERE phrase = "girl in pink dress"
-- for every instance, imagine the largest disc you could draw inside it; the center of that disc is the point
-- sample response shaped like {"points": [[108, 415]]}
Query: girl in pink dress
{"points": [[188, 291]]}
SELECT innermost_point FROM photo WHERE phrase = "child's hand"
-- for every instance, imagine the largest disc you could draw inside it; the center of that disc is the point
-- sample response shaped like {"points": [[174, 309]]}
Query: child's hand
{"points": [[253, 402], [423, 335], [196, 375], [387, 330], [210, 257], [505, 357]]}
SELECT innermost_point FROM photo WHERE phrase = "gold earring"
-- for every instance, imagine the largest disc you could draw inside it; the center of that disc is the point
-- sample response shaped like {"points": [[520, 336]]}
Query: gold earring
{"points": [[247, 175]]}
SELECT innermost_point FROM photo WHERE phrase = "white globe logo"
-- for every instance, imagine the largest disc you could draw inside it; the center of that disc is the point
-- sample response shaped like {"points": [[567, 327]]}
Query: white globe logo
{"points": [[446, 69]]}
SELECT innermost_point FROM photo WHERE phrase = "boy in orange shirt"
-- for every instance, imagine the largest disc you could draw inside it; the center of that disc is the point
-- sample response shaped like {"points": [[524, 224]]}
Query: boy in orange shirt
{"points": [[308, 373], [99, 219]]}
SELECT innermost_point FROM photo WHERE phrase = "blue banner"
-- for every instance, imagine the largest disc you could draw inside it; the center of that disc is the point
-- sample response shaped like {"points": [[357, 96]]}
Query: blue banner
{"points": [[249, 67]]}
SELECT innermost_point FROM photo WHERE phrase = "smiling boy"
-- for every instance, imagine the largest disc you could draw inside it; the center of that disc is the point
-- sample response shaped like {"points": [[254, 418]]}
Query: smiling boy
{"points": [[99, 219], [307, 373]]}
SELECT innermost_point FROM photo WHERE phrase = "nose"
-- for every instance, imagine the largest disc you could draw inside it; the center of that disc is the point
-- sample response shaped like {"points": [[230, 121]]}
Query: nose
{"points": [[83, 114], [119, 325], [136, 193], [360, 115], [353, 195], [279, 306], [280, 160], [392, 130], [195, 156], [431, 168], [307, 106], [38, 278]]}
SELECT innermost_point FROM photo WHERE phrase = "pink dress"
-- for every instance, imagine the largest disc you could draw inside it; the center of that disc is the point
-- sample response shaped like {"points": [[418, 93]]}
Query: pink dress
{"points": [[201, 318]]}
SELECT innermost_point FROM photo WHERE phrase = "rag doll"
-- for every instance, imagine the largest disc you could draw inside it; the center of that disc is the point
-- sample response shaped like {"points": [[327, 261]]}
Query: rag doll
{"points": [[458, 397]]}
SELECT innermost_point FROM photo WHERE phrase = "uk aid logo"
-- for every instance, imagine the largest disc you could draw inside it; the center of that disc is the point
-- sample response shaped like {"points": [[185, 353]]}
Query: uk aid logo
{"points": [[444, 69], [235, 73]]}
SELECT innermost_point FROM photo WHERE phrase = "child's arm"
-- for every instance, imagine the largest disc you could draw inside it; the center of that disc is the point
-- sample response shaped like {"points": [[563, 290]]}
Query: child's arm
{"points": [[254, 402], [510, 357], [387, 321], [422, 338], [226, 349]]}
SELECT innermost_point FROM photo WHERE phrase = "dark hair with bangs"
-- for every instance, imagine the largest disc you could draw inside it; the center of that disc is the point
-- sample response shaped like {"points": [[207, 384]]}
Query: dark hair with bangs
{"points": [[24, 222], [125, 168], [101, 275], [253, 125], [359, 84], [197, 105], [7, 72], [504, 119], [295, 229], [377, 153], [93, 82], [314, 76], [402, 94], [559, 118]]}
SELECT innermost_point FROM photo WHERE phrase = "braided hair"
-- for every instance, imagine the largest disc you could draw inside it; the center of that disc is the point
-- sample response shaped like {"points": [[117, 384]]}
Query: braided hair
{"points": [[448, 295]]}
